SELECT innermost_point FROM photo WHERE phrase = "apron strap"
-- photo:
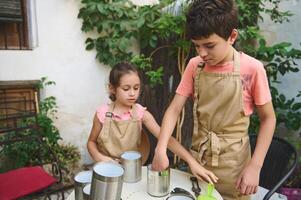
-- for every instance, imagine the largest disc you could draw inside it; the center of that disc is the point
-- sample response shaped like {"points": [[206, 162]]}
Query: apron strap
{"points": [[211, 141], [236, 61], [109, 117], [108, 120], [195, 104], [134, 114]]}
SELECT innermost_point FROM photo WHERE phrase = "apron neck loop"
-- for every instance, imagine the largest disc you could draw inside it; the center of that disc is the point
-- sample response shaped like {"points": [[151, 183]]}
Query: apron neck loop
{"points": [[109, 114], [201, 65], [236, 61]]}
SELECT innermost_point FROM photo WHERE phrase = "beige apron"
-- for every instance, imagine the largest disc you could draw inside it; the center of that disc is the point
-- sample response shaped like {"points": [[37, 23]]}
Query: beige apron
{"points": [[220, 141], [117, 137]]}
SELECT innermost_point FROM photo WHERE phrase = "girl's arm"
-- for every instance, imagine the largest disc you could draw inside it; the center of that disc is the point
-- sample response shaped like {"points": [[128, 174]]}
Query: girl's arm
{"points": [[92, 142], [177, 148], [249, 178]]}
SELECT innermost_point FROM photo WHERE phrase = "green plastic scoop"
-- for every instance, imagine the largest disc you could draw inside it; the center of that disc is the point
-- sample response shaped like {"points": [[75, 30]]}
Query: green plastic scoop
{"points": [[209, 195]]}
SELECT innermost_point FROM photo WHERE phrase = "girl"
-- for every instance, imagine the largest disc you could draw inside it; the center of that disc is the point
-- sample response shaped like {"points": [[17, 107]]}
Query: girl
{"points": [[117, 126]]}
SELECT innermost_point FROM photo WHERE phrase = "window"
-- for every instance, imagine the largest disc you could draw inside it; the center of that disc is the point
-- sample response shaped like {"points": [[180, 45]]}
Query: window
{"points": [[16, 24]]}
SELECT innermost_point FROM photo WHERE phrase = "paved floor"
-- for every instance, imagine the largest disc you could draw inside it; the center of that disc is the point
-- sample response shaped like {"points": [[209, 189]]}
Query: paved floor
{"points": [[57, 196]]}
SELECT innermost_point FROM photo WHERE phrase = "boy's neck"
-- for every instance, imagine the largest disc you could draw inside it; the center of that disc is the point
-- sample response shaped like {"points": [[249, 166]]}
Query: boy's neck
{"points": [[229, 57]]}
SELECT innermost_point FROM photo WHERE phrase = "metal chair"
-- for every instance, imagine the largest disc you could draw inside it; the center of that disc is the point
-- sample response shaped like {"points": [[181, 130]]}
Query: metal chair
{"points": [[19, 128], [279, 164]]}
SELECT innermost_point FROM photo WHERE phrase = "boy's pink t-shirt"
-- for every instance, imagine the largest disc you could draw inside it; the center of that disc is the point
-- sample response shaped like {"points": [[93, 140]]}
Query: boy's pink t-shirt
{"points": [[101, 113], [254, 81]]}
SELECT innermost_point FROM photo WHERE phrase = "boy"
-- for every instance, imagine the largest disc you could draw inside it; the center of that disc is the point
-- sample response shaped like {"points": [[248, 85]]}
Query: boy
{"points": [[225, 85]]}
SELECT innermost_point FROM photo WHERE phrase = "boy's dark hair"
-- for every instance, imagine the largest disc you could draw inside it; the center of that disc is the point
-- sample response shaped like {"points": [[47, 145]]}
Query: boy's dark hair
{"points": [[206, 17], [117, 72]]}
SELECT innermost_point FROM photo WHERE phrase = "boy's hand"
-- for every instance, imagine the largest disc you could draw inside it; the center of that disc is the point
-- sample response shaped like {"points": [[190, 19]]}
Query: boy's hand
{"points": [[160, 161], [201, 173], [248, 180]]}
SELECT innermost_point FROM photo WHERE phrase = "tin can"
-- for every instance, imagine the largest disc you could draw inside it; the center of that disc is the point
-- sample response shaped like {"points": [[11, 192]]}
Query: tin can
{"points": [[80, 180], [107, 181], [132, 164], [158, 182]]}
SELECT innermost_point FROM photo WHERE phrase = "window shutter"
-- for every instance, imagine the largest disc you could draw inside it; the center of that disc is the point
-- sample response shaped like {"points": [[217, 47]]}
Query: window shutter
{"points": [[10, 11]]}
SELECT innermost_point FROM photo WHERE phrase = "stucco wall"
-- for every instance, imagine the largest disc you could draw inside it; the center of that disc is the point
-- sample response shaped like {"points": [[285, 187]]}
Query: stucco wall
{"points": [[61, 56]]}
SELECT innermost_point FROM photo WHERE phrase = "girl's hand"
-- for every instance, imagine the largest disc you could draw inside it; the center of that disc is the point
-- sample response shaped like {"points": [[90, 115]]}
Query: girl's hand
{"points": [[105, 159], [248, 180], [160, 161], [201, 173]]}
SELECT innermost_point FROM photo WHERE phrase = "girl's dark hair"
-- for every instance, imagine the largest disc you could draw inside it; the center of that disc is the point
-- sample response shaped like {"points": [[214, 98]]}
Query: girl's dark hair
{"points": [[117, 72], [206, 17]]}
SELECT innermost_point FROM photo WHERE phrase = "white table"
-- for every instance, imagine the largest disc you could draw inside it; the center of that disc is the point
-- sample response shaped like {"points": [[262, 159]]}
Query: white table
{"points": [[138, 191], [262, 191]]}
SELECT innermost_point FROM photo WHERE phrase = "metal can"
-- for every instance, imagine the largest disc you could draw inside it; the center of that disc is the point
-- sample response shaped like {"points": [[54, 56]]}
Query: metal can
{"points": [[132, 164], [107, 181], [86, 191], [80, 180], [158, 182]]}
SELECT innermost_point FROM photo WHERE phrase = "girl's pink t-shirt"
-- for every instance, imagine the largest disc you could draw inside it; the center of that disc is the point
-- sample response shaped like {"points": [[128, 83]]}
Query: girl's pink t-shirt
{"points": [[254, 81], [101, 113]]}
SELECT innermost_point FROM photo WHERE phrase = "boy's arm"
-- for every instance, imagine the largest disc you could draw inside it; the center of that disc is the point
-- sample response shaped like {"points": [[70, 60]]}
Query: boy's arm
{"points": [[199, 171], [266, 131], [249, 178], [92, 142], [160, 161]]}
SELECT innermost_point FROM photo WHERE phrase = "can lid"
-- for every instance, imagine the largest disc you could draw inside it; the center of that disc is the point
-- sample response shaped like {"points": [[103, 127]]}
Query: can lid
{"points": [[83, 177], [131, 155], [108, 169], [87, 189]]}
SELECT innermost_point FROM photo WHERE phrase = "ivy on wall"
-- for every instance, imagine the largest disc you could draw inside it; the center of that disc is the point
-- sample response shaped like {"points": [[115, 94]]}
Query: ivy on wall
{"points": [[120, 23]]}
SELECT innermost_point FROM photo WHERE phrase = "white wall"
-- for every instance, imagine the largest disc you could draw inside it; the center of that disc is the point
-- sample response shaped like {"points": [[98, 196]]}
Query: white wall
{"points": [[61, 56], [289, 32]]}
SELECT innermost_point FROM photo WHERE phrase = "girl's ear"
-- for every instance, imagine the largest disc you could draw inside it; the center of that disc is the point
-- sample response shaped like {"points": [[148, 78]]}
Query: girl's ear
{"points": [[112, 92], [233, 36], [111, 89]]}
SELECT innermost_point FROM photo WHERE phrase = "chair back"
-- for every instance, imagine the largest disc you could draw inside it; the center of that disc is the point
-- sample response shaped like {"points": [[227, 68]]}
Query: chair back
{"points": [[279, 163], [18, 116], [20, 132]]}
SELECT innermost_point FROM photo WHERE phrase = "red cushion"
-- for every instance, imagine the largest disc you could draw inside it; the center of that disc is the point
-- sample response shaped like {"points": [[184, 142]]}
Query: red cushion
{"points": [[23, 181]]}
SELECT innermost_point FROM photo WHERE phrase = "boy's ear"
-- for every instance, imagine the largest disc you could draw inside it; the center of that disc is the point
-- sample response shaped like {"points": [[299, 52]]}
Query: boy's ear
{"points": [[233, 36]]}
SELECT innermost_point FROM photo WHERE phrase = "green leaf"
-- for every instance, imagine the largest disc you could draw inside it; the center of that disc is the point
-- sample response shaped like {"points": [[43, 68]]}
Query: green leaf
{"points": [[282, 98], [124, 44], [296, 106], [101, 9], [140, 22], [90, 46]]}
